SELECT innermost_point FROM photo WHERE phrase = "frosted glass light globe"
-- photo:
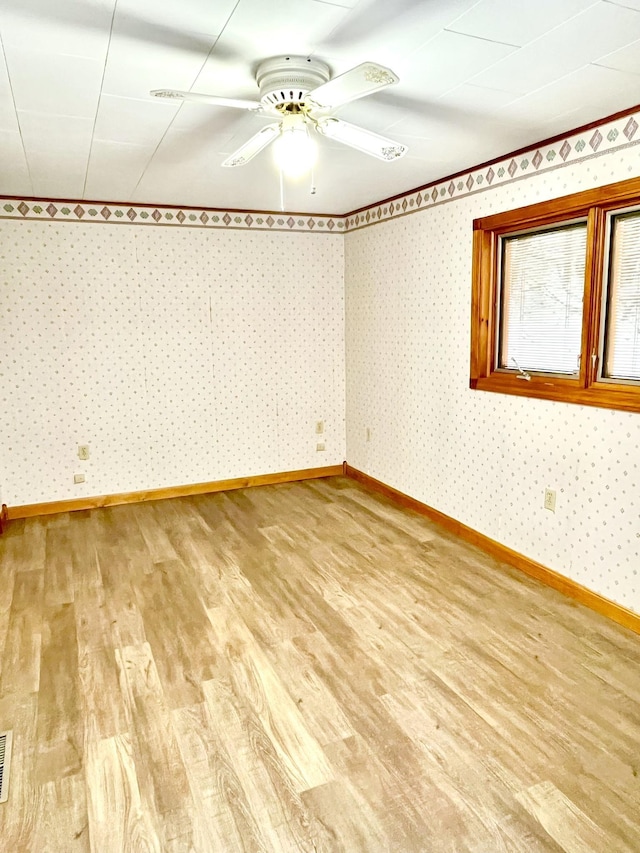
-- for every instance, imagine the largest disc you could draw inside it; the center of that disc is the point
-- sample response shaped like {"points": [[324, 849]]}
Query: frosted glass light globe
{"points": [[294, 151]]}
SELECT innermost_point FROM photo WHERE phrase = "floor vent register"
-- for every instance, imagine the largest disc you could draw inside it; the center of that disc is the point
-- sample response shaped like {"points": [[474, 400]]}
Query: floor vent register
{"points": [[5, 763]]}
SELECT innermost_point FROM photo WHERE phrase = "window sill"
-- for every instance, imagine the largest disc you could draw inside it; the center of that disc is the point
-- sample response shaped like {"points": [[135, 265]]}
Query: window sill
{"points": [[601, 394]]}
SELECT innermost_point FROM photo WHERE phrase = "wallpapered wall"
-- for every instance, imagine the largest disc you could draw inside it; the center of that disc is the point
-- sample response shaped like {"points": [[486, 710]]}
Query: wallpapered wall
{"points": [[178, 354], [483, 458]]}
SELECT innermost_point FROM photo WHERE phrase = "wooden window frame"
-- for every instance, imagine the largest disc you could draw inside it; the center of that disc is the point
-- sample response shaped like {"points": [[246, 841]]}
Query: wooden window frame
{"points": [[587, 388]]}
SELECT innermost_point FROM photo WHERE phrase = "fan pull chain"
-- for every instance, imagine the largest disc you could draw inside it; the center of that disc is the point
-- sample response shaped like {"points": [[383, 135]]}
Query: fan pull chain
{"points": [[281, 190], [313, 182]]}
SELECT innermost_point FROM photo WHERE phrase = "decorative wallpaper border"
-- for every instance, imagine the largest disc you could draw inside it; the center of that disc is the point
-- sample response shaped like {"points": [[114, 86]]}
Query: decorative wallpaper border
{"points": [[610, 135], [70, 211], [614, 134]]}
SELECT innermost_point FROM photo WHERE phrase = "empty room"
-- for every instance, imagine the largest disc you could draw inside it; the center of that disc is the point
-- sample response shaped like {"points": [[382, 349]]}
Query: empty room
{"points": [[320, 426]]}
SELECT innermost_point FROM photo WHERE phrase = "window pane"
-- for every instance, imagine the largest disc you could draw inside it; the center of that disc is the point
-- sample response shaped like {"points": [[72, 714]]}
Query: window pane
{"points": [[542, 291], [622, 336]]}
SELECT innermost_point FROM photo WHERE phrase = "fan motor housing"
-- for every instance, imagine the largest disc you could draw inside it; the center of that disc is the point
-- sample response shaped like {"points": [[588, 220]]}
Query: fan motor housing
{"points": [[287, 79]]}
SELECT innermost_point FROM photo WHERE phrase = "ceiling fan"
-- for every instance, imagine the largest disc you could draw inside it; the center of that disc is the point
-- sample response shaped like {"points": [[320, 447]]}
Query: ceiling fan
{"points": [[301, 93]]}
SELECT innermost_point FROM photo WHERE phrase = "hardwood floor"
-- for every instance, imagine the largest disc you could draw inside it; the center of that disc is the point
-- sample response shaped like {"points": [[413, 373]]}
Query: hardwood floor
{"points": [[303, 667]]}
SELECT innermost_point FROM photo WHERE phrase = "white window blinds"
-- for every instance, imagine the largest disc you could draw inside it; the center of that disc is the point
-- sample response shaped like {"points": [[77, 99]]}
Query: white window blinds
{"points": [[542, 290], [622, 334]]}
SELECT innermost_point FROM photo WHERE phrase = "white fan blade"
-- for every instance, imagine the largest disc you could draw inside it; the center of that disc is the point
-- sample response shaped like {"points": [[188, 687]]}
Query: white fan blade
{"points": [[178, 95], [364, 140], [356, 83], [253, 146]]}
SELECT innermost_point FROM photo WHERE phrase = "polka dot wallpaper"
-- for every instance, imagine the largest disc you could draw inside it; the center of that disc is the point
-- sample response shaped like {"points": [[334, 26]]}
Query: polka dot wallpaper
{"points": [[483, 458], [178, 355], [186, 354]]}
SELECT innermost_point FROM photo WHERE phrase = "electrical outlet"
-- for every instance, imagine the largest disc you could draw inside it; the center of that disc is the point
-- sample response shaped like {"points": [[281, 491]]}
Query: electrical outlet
{"points": [[320, 446], [78, 478], [550, 499], [368, 433], [319, 427], [83, 451]]}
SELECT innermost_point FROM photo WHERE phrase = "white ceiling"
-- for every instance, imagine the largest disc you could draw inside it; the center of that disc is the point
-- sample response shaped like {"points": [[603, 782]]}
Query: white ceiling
{"points": [[478, 78]]}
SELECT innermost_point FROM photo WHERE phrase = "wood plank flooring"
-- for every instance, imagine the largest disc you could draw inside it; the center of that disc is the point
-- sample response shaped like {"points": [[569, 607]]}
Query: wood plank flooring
{"points": [[303, 667]]}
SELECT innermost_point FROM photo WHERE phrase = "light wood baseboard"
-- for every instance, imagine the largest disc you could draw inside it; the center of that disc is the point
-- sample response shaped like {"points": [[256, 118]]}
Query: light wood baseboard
{"points": [[30, 510], [568, 587]]}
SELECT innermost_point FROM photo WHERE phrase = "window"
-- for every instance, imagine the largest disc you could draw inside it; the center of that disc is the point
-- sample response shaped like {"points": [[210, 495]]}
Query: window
{"points": [[622, 328], [556, 299], [541, 290]]}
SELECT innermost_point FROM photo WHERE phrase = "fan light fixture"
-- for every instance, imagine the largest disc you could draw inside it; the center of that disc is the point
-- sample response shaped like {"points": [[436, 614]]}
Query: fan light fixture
{"points": [[301, 93], [294, 151]]}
